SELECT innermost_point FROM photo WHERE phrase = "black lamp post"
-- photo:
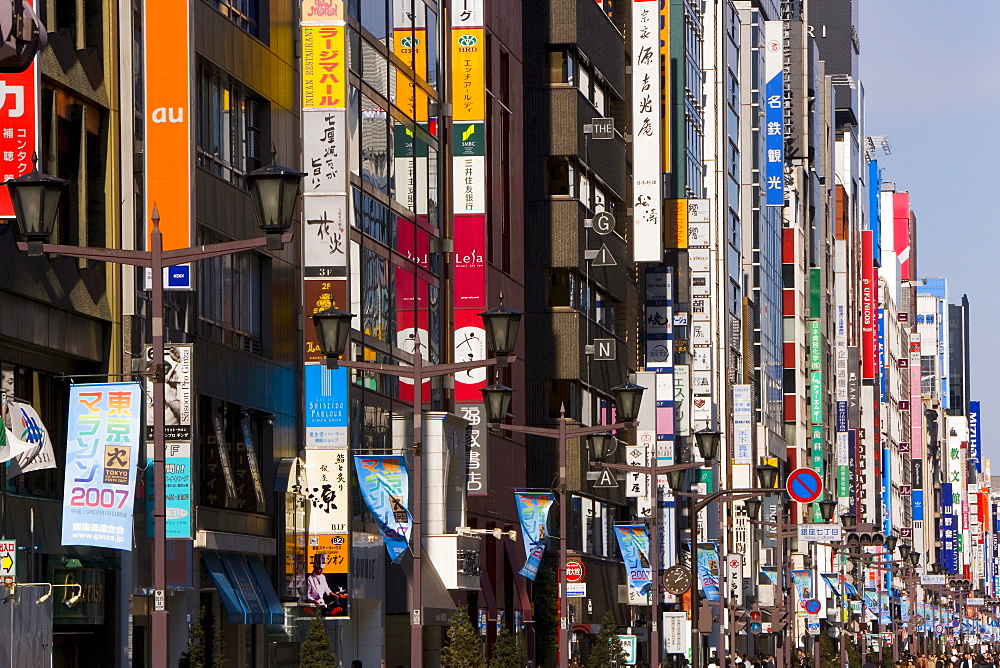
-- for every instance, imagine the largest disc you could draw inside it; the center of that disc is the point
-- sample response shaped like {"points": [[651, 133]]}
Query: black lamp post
{"points": [[274, 190], [708, 441], [904, 551], [333, 327], [36, 203], [827, 507], [914, 558], [753, 507], [497, 400], [601, 446], [890, 543], [628, 396], [501, 324], [767, 475], [847, 519]]}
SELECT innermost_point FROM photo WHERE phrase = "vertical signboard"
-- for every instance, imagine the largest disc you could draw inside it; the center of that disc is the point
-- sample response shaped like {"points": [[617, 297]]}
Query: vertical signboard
{"points": [[102, 438], [468, 44], [325, 285], [647, 242], [774, 114], [975, 449], [916, 403], [169, 136], [742, 424], [19, 123], [869, 303]]}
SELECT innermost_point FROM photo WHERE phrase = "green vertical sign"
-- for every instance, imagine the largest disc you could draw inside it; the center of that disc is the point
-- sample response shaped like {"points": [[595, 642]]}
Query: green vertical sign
{"points": [[816, 397], [815, 282], [815, 347], [705, 476], [816, 461]]}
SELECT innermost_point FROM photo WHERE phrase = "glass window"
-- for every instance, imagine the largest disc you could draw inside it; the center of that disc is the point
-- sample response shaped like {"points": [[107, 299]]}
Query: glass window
{"points": [[230, 125], [561, 67], [599, 99], [241, 12], [375, 152], [230, 297], [374, 17], [583, 82], [378, 312], [561, 176]]}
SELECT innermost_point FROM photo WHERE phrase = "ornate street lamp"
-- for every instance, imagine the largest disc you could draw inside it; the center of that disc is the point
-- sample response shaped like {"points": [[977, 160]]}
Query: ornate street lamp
{"points": [[904, 551], [914, 558], [675, 479], [501, 324], [601, 446], [36, 206], [890, 543], [847, 519], [274, 190], [767, 475], [628, 397], [708, 441], [827, 508], [496, 398], [753, 507], [333, 326]]}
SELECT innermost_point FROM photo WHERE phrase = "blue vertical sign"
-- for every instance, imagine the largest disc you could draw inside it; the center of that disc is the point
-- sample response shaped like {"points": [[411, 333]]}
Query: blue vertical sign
{"points": [[774, 114], [975, 449], [949, 529]]}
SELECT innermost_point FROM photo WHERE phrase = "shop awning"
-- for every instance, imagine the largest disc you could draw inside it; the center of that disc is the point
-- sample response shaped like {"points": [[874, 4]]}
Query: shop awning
{"points": [[244, 588]]}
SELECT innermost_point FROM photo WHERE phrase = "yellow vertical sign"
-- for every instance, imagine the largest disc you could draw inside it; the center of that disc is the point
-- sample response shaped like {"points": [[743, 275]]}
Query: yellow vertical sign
{"points": [[676, 231], [469, 74], [410, 97], [324, 71]]}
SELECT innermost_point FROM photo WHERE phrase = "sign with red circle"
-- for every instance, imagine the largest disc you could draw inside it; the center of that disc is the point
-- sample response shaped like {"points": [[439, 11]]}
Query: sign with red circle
{"points": [[575, 570], [804, 485], [812, 606]]}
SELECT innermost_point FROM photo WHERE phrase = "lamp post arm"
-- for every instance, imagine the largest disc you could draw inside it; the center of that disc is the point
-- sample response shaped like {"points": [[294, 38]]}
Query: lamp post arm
{"points": [[552, 432], [118, 256], [195, 253], [728, 495], [428, 371], [648, 469]]}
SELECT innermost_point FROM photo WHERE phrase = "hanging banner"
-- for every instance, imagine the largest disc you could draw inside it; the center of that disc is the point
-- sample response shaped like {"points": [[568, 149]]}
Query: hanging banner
{"points": [[774, 113], [871, 603], [708, 570], [25, 440], [802, 579], [384, 485], [832, 580], [103, 435], [533, 511], [633, 540]]}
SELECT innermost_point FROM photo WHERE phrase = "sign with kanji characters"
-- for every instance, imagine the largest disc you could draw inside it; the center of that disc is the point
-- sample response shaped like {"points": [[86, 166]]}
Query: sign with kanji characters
{"points": [[469, 73], [742, 424], [102, 442], [820, 533], [647, 243], [177, 475], [774, 113], [477, 470], [19, 122], [178, 404], [326, 407], [8, 561]]}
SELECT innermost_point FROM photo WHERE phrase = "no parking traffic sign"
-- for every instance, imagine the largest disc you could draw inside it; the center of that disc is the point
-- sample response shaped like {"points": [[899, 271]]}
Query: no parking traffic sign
{"points": [[804, 485]]}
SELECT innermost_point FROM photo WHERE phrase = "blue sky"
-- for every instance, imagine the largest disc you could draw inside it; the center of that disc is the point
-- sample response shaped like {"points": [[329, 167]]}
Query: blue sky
{"points": [[932, 82]]}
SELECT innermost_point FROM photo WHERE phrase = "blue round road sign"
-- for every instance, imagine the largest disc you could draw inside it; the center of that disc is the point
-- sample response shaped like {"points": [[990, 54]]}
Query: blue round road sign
{"points": [[804, 485], [812, 606]]}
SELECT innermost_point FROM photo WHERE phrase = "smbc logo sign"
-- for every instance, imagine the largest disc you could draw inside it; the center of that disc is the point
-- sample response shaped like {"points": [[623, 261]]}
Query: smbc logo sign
{"points": [[468, 40]]}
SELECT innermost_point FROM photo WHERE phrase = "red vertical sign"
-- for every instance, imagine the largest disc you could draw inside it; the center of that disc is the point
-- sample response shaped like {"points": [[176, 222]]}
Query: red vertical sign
{"points": [[869, 306], [18, 128]]}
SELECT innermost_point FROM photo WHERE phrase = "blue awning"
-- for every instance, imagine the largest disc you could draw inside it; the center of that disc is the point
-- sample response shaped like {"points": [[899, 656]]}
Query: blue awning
{"points": [[244, 588]]}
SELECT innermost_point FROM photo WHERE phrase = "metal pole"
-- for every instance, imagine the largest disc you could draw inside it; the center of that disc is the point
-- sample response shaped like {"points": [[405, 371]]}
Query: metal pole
{"points": [[160, 638], [654, 561], [696, 660], [563, 533], [779, 594], [416, 545]]}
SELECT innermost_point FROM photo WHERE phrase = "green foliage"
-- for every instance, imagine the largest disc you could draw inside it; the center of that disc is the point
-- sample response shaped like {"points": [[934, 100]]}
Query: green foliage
{"points": [[316, 651], [853, 653], [197, 655], [508, 651], [606, 650], [829, 652], [462, 650], [543, 597]]}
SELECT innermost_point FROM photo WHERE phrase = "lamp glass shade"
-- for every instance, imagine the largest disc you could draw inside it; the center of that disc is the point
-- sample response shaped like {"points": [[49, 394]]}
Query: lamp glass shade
{"points": [[496, 398], [501, 324], [36, 203], [827, 508], [914, 558], [767, 475], [675, 479], [601, 446], [904, 551], [890, 543], [628, 398], [333, 326], [708, 441], [753, 507], [273, 190], [847, 519]]}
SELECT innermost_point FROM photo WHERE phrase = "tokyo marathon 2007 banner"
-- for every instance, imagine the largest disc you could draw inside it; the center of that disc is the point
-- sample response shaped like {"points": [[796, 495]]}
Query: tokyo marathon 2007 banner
{"points": [[633, 540], [102, 439], [384, 486], [533, 510]]}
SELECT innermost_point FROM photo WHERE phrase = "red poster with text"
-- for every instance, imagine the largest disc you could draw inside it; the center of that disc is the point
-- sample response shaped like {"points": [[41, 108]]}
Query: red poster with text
{"points": [[18, 128], [470, 345], [470, 262], [869, 306]]}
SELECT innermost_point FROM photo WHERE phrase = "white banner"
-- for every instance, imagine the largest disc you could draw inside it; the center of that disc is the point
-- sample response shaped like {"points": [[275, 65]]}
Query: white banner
{"points": [[647, 241], [27, 440]]}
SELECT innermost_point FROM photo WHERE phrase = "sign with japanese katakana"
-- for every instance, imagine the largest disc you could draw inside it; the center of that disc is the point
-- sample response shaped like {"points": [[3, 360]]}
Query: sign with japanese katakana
{"points": [[102, 442]]}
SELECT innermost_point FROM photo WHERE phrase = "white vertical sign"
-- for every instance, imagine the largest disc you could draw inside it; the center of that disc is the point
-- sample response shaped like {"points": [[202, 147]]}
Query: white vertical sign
{"points": [[647, 242], [742, 425], [734, 577]]}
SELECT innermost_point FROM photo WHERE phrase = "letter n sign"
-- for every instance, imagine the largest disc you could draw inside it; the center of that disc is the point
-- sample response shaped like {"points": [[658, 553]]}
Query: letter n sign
{"points": [[604, 349]]}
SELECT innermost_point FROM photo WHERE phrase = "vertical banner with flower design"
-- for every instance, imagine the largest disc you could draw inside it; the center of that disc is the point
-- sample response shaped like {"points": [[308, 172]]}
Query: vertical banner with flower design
{"points": [[384, 484]]}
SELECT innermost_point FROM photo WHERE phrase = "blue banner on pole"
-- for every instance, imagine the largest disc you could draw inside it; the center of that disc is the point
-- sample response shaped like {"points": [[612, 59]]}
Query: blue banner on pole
{"points": [[708, 570], [102, 439], [774, 115], [384, 486], [633, 540], [533, 511]]}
